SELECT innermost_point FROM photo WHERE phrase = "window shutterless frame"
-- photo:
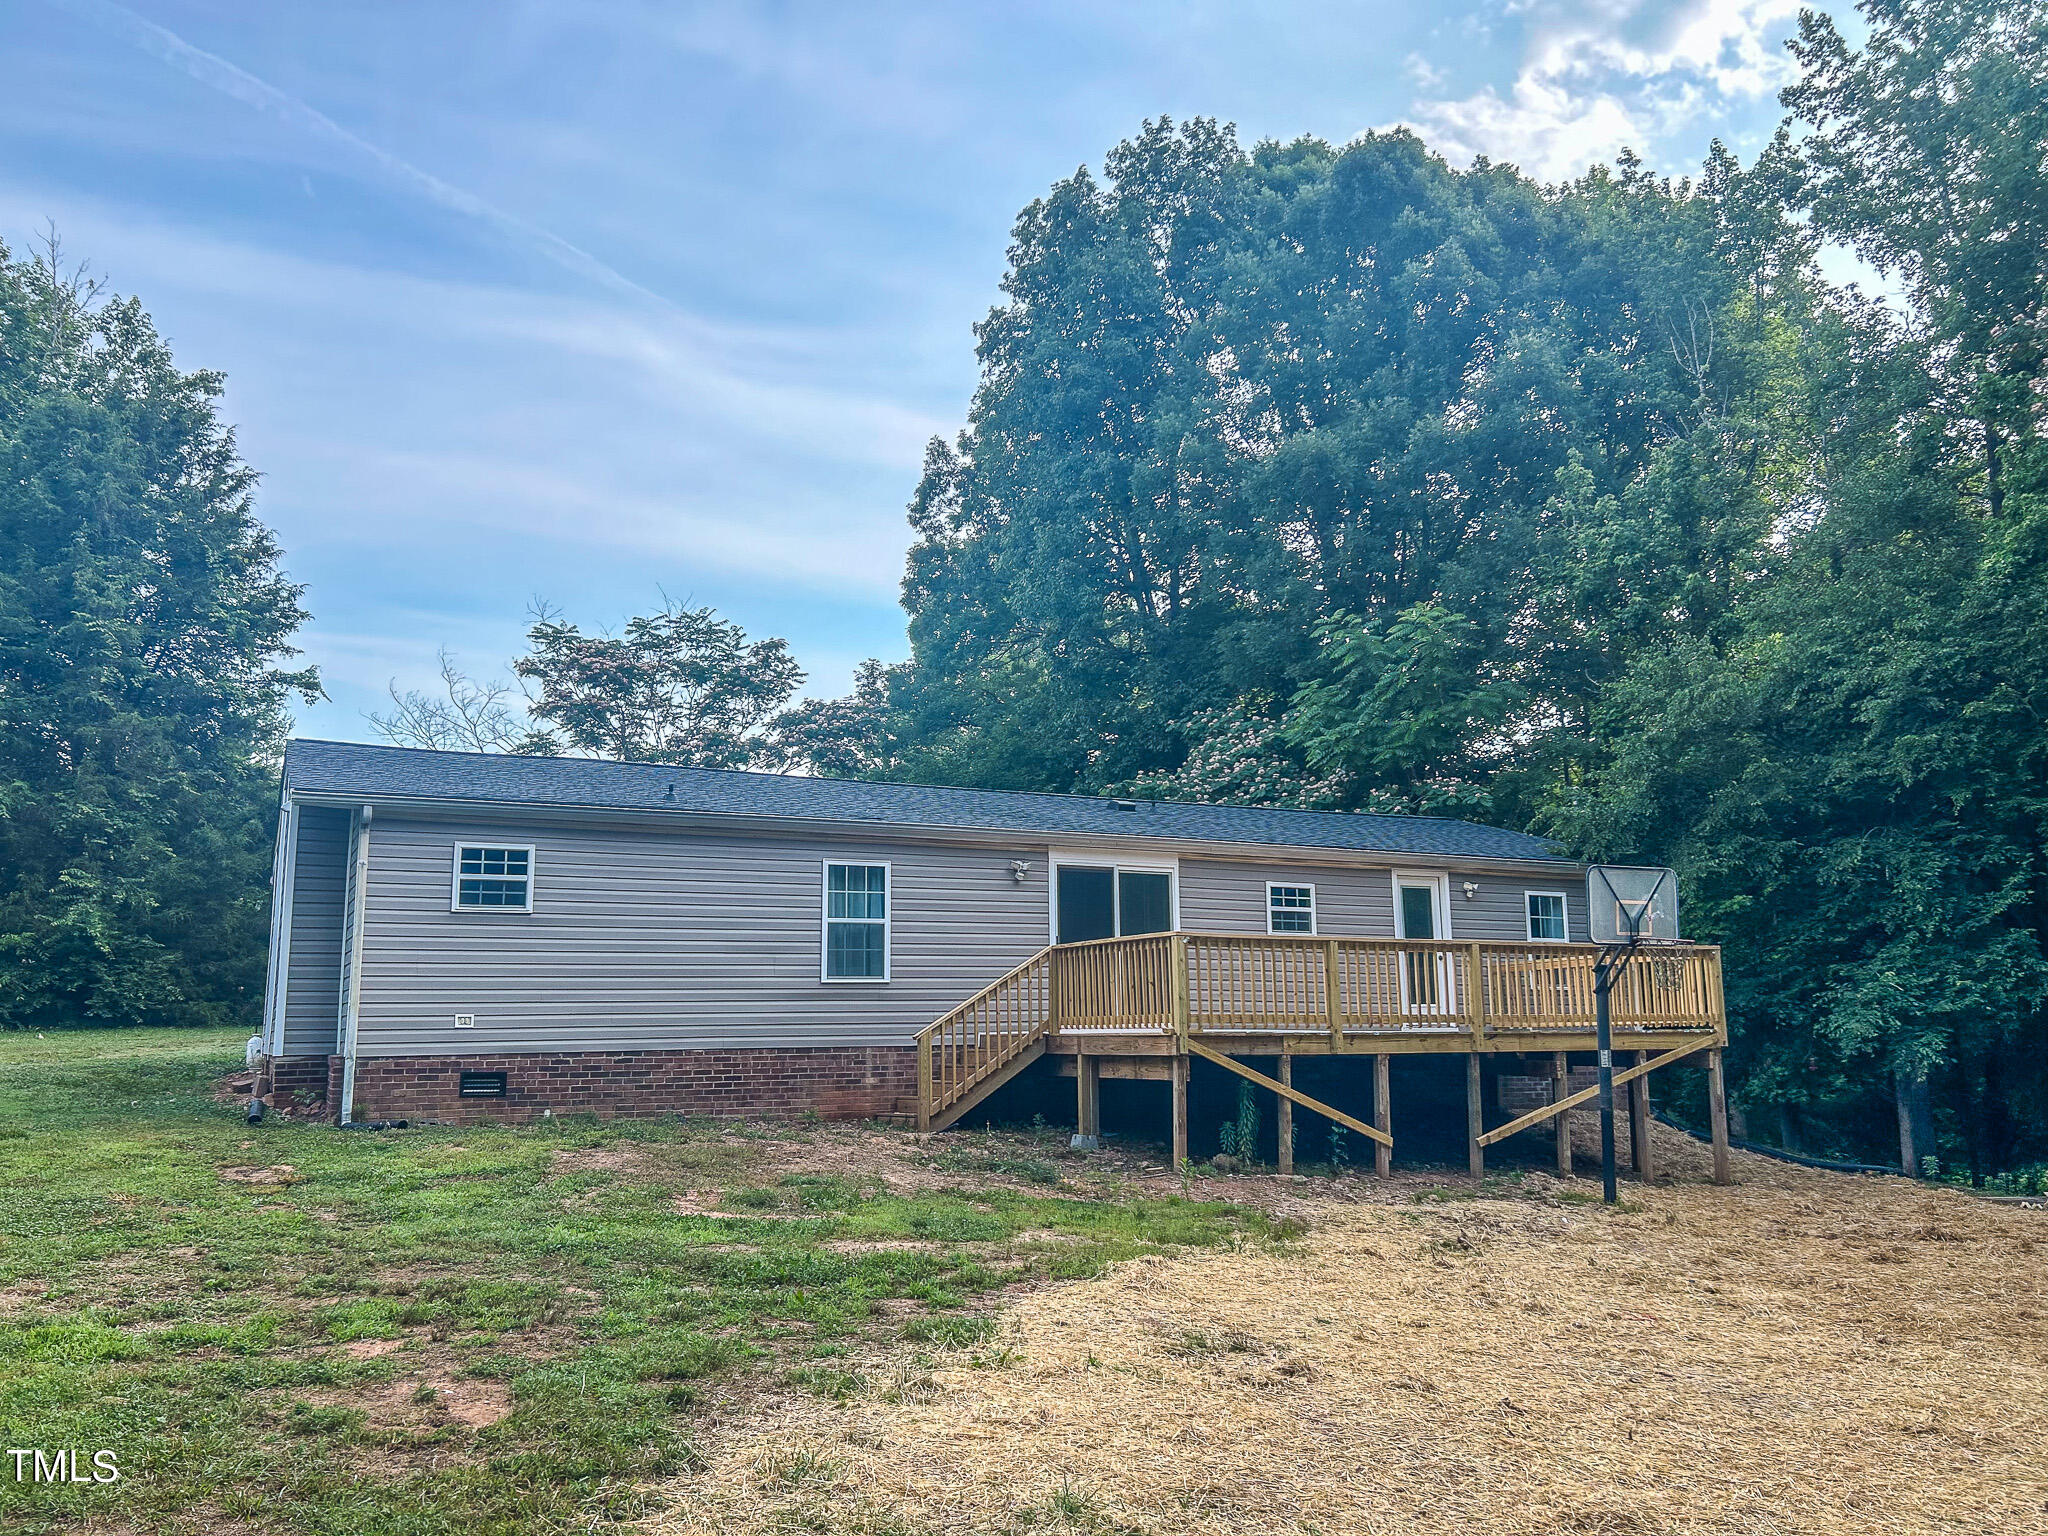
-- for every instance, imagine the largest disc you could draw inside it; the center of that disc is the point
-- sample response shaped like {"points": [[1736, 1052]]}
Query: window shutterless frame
{"points": [[826, 921], [1438, 883], [1285, 900], [481, 846], [1120, 864], [1562, 913]]}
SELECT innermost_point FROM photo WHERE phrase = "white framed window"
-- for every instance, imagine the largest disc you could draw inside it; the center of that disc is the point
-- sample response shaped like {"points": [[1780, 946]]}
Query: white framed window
{"points": [[1290, 908], [492, 877], [1546, 916], [855, 942]]}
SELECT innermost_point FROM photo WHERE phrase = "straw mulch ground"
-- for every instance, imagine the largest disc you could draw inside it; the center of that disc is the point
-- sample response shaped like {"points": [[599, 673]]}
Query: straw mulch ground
{"points": [[1802, 1353]]}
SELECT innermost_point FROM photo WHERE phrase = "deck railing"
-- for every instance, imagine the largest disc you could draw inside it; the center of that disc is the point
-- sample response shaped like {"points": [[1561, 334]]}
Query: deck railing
{"points": [[1286, 984], [1196, 984], [1116, 983]]}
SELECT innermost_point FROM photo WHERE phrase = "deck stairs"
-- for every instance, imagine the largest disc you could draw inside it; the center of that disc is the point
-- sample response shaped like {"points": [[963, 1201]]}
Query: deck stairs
{"points": [[972, 1050]]}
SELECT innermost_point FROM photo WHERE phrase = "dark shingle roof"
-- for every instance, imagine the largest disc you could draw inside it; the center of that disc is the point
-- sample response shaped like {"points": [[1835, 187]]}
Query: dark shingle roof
{"points": [[404, 773]]}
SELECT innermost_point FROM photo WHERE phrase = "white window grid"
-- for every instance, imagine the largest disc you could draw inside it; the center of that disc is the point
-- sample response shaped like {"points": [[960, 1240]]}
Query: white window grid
{"points": [[492, 877], [1290, 908], [870, 903], [1543, 908]]}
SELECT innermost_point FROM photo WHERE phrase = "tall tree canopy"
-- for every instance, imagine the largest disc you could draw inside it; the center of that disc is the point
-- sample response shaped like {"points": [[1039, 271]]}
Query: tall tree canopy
{"points": [[1319, 476], [1856, 779], [1401, 460], [143, 621]]}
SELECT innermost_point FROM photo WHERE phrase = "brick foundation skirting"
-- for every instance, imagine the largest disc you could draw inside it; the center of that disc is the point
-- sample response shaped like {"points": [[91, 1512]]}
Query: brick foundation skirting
{"points": [[1519, 1095], [290, 1075], [837, 1082]]}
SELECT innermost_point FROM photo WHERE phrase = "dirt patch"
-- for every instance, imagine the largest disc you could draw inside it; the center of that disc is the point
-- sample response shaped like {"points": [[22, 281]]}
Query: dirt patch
{"points": [[371, 1349], [627, 1159], [904, 1163], [704, 1202], [473, 1403], [235, 1088], [1711, 1361], [276, 1173], [428, 1396], [887, 1245], [21, 1296], [700, 1158]]}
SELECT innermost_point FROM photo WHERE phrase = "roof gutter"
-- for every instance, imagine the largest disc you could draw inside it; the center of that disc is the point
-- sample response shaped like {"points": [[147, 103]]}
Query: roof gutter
{"points": [[948, 832]]}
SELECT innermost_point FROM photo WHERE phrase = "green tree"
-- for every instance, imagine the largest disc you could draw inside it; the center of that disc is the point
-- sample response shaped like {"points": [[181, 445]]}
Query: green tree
{"points": [[142, 623], [1850, 767], [1253, 426], [855, 737], [1926, 155], [680, 685]]}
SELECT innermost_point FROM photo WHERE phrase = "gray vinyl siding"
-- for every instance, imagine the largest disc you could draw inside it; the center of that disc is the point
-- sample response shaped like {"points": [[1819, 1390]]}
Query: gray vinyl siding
{"points": [[313, 971], [646, 940], [1224, 896], [1500, 913]]}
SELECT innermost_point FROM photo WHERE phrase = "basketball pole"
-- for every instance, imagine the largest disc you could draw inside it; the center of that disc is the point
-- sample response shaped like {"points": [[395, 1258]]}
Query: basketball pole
{"points": [[1603, 976], [1613, 961]]}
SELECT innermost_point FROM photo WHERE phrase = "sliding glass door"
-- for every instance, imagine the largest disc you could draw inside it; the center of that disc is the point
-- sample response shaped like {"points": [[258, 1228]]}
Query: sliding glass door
{"points": [[1104, 902]]}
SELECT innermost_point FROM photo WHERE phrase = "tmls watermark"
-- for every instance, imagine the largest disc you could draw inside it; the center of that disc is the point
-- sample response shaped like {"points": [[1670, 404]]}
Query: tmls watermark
{"points": [[63, 1467]]}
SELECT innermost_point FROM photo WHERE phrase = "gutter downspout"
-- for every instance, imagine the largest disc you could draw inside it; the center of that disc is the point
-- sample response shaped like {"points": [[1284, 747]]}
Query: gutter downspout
{"points": [[283, 883], [359, 882]]}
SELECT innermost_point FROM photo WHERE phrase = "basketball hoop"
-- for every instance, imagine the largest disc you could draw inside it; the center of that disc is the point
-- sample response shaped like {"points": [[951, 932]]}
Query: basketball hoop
{"points": [[1631, 904]]}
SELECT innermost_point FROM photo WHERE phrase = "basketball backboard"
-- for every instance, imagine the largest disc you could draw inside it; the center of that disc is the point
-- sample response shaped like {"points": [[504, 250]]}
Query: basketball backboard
{"points": [[1631, 904]]}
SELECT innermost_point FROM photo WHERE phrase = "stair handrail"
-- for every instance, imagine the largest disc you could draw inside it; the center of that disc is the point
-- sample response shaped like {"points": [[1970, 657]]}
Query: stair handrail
{"points": [[931, 1097]]}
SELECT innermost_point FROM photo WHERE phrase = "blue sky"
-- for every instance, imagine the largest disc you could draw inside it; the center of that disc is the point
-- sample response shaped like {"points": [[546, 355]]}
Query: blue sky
{"points": [[588, 301]]}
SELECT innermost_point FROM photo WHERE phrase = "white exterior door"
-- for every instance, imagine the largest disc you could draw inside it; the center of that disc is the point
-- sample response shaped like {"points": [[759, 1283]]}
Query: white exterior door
{"points": [[1421, 911]]}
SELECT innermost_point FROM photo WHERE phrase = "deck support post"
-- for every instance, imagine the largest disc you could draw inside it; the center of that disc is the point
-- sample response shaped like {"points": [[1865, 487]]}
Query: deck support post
{"points": [[1088, 1105], [924, 1081], [1285, 1156], [1475, 1116], [1382, 1112], [1333, 992], [1717, 1114], [1639, 1154], [1180, 1112], [1560, 1085]]}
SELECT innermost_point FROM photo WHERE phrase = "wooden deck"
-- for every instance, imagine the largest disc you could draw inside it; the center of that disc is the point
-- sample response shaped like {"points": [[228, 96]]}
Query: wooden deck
{"points": [[1174, 996]]}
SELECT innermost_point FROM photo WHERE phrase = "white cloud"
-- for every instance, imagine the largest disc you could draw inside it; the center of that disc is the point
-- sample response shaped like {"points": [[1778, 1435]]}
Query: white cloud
{"points": [[1427, 76], [795, 390], [1548, 129], [1598, 75]]}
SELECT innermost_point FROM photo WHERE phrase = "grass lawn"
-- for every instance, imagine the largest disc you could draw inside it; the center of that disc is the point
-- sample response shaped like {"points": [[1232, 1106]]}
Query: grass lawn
{"points": [[291, 1328]]}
